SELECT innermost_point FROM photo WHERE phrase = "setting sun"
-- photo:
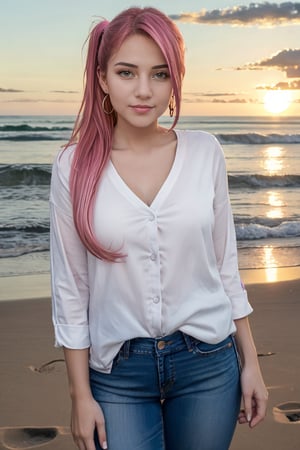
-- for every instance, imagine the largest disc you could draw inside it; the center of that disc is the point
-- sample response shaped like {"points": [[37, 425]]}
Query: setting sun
{"points": [[277, 101]]}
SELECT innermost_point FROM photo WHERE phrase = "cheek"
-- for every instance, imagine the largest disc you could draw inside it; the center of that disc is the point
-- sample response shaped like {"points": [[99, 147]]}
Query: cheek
{"points": [[166, 91], [165, 95], [113, 83], [117, 96], [116, 90]]}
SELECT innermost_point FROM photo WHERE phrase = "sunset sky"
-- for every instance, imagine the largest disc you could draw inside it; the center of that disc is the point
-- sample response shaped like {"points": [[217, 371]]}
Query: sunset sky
{"points": [[236, 51]]}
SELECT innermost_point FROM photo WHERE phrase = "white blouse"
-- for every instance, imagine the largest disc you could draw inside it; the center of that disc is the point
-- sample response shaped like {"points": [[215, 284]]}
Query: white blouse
{"points": [[181, 270]]}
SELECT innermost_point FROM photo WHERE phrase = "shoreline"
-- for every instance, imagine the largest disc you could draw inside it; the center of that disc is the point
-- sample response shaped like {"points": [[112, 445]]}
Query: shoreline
{"points": [[28, 287]]}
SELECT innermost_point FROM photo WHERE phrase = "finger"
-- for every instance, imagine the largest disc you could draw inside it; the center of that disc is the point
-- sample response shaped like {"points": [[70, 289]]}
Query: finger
{"points": [[80, 445], [241, 415], [259, 413], [103, 441], [255, 421], [243, 420], [90, 444], [247, 400], [102, 435], [85, 443]]}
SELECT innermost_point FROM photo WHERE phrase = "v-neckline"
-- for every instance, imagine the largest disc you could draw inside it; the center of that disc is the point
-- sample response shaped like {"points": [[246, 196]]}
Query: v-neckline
{"points": [[163, 190]]}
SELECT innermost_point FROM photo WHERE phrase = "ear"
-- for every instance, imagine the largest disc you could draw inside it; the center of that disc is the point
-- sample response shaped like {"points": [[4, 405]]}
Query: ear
{"points": [[102, 80]]}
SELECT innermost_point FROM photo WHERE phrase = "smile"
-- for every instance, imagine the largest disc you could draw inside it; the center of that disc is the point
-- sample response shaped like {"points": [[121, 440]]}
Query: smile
{"points": [[142, 109]]}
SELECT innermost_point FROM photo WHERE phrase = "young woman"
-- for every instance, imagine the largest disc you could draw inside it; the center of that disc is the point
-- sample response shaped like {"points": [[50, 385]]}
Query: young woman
{"points": [[147, 299]]}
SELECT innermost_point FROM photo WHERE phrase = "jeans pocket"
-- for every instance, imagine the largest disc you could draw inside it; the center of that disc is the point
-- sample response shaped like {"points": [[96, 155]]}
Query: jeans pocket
{"points": [[205, 349], [118, 359]]}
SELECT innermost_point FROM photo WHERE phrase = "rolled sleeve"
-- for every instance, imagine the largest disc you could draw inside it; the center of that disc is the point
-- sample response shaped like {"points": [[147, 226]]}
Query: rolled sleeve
{"points": [[240, 305], [72, 336]]}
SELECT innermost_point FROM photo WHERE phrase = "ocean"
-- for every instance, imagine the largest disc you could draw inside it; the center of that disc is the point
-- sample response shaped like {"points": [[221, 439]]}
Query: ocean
{"points": [[263, 163]]}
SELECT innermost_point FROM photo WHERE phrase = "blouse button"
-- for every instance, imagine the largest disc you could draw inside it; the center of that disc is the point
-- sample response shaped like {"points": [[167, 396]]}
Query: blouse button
{"points": [[153, 256], [156, 300]]}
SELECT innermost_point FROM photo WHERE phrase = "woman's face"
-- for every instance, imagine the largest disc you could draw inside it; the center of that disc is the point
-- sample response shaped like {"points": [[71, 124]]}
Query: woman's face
{"points": [[138, 82]]}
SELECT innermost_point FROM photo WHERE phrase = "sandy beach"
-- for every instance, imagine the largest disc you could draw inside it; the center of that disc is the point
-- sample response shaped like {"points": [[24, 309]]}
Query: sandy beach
{"points": [[34, 398]]}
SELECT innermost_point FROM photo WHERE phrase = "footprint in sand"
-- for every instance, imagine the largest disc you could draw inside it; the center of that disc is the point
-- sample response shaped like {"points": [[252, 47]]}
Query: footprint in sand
{"points": [[288, 412], [28, 437], [56, 365]]}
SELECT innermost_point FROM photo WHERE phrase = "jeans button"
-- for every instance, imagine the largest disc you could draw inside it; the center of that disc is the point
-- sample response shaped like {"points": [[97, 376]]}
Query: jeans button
{"points": [[161, 345]]}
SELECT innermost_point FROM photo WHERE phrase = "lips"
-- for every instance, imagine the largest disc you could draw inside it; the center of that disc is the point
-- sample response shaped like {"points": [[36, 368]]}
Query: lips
{"points": [[141, 108]]}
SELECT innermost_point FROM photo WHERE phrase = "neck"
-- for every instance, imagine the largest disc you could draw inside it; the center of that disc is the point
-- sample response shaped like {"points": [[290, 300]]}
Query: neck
{"points": [[136, 139]]}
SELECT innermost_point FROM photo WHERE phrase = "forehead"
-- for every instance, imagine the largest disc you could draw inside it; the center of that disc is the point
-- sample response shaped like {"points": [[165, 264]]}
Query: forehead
{"points": [[138, 49]]}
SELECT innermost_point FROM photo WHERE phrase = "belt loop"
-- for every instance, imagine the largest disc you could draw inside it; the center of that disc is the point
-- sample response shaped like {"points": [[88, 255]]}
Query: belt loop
{"points": [[126, 349], [188, 341]]}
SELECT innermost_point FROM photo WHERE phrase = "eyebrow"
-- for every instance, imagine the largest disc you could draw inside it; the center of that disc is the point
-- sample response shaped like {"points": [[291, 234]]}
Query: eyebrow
{"points": [[159, 66]]}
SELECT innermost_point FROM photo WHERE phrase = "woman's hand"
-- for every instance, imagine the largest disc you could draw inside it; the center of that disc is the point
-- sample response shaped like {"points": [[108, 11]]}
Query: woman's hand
{"points": [[254, 391], [254, 396], [87, 417]]}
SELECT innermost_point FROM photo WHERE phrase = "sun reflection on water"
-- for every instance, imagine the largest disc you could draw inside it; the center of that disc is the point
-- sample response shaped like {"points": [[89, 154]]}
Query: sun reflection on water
{"points": [[276, 203], [273, 163], [270, 264]]}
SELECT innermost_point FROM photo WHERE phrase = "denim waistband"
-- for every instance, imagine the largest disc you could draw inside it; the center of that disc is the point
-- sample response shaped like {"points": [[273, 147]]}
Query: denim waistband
{"points": [[163, 345]]}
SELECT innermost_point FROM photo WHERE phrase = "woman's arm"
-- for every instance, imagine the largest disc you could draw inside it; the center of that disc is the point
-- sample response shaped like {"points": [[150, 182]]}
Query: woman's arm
{"points": [[70, 304], [253, 389], [86, 414], [254, 392]]}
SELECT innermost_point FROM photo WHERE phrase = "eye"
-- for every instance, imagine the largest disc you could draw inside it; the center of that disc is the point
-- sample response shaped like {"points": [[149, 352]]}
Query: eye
{"points": [[125, 74], [161, 75]]}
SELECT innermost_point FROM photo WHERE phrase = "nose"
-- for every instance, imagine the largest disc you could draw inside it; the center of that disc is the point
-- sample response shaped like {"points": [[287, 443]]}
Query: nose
{"points": [[143, 87]]}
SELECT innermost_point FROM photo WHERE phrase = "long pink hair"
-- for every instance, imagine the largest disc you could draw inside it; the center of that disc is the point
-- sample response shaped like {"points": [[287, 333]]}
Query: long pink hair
{"points": [[93, 129]]}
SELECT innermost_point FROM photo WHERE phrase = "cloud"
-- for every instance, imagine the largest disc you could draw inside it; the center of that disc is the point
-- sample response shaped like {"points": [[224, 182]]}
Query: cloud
{"points": [[10, 90], [283, 85], [207, 98], [64, 92], [38, 100], [210, 94], [233, 100], [263, 14], [287, 61]]}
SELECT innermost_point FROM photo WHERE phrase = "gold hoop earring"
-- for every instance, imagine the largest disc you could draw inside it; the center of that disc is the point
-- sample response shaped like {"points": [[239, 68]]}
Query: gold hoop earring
{"points": [[103, 106], [171, 106]]}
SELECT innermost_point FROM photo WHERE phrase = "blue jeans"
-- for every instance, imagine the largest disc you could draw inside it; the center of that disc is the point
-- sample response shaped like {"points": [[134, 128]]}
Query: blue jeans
{"points": [[170, 393]]}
